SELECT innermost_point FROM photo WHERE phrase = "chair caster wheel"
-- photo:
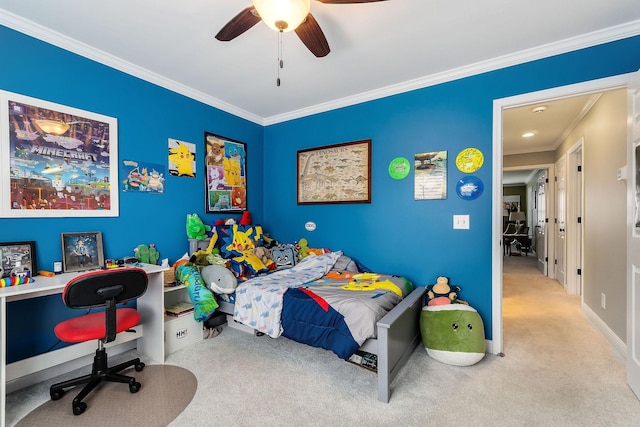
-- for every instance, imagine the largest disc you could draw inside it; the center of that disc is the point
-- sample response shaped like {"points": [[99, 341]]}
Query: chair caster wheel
{"points": [[79, 408], [134, 387], [139, 367], [56, 395]]}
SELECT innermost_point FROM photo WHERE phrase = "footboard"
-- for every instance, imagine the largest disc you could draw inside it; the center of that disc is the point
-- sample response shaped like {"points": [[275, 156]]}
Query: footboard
{"points": [[398, 336]]}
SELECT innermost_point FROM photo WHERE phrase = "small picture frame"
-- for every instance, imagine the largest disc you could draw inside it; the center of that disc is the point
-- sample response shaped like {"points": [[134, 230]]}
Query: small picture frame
{"points": [[82, 251], [17, 253]]}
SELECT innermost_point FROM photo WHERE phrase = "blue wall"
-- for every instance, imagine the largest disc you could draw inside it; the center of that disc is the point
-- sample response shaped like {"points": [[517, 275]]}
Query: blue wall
{"points": [[147, 116], [394, 233]]}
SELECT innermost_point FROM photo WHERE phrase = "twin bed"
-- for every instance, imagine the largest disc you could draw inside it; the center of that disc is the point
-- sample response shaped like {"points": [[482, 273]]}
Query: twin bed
{"points": [[346, 312]]}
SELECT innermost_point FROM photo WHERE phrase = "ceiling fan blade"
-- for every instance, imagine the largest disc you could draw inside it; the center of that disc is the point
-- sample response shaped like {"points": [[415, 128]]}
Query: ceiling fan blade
{"points": [[238, 24], [347, 1], [312, 36]]}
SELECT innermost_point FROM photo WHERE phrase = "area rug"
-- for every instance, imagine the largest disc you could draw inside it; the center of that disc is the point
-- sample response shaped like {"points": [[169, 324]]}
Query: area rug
{"points": [[166, 391]]}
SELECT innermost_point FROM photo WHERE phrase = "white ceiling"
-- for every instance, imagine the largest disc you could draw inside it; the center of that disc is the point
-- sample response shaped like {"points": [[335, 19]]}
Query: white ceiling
{"points": [[550, 127], [377, 49]]}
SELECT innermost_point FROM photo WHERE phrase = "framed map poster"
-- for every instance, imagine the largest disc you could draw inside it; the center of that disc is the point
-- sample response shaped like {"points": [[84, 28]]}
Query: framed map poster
{"points": [[339, 173]]}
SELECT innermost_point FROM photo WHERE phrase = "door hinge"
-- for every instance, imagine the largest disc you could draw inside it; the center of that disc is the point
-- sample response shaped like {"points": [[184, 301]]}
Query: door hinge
{"points": [[546, 180], [555, 261], [546, 220], [579, 168], [546, 259], [579, 220], [555, 179], [579, 272]]}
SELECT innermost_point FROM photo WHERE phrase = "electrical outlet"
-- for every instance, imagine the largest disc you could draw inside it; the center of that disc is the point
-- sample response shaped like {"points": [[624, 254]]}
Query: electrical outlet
{"points": [[461, 222], [603, 301]]}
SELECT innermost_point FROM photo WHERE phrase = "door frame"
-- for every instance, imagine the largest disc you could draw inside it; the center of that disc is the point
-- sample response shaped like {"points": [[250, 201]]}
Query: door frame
{"points": [[575, 208], [621, 81], [560, 164]]}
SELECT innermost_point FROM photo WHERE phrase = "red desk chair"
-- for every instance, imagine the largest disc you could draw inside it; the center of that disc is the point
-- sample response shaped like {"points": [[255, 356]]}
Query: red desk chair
{"points": [[104, 288]]}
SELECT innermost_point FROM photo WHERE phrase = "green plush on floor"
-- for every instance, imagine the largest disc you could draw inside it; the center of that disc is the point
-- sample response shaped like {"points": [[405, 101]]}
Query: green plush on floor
{"points": [[453, 334]]}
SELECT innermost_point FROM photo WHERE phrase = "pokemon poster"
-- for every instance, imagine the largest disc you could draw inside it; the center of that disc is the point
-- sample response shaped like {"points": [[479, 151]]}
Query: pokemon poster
{"points": [[142, 177], [182, 158], [226, 174]]}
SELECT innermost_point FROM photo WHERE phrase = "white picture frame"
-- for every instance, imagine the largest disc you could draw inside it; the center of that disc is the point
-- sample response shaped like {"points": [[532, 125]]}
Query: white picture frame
{"points": [[55, 160]]}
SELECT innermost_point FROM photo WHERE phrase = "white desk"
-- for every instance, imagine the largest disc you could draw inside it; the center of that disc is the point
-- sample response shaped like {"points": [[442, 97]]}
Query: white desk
{"points": [[150, 306]]}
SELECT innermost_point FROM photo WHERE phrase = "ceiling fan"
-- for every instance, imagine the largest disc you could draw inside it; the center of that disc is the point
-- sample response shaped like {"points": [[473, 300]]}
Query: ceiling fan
{"points": [[305, 25]]}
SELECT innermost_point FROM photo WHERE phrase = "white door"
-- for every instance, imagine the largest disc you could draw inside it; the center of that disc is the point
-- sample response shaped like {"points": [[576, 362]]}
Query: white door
{"points": [[633, 238], [541, 224], [560, 221]]}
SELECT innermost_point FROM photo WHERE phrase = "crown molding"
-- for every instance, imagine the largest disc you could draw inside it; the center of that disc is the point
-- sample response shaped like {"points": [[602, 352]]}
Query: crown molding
{"points": [[40, 32], [595, 38]]}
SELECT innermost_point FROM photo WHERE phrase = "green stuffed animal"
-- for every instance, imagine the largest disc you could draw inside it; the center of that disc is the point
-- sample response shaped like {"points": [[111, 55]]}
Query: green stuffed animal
{"points": [[453, 334], [196, 228], [303, 249], [147, 254]]}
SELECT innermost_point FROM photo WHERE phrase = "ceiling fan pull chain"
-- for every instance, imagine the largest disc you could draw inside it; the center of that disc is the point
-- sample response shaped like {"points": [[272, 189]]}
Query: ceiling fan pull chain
{"points": [[280, 61]]}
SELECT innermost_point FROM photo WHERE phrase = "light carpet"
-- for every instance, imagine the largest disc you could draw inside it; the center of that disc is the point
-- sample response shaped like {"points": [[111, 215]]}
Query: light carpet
{"points": [[166, 391], [557, 371]]}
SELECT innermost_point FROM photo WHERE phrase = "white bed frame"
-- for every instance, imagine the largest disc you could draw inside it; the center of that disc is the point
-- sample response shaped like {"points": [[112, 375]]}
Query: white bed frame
{"points": [[398, 336]]}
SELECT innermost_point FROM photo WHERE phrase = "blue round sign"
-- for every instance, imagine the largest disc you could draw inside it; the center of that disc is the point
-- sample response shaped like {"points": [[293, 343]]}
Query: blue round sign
{"points": [[469, 188]]}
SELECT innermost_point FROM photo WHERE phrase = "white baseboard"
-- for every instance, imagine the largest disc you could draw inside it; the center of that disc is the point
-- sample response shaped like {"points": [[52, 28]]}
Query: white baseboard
{"points": [[618, 347], [489, 346]]}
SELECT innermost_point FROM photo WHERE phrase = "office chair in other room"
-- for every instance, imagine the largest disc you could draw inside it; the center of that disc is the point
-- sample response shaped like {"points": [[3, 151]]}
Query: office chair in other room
{"points": [[104, 288]]}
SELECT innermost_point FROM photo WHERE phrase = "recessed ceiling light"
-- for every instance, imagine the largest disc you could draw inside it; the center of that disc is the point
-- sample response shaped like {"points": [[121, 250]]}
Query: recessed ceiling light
{"points": [[538, 109], [528, 134]]}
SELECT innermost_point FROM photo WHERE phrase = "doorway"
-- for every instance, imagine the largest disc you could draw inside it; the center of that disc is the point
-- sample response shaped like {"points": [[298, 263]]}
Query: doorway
{"points": [[593, 87]]}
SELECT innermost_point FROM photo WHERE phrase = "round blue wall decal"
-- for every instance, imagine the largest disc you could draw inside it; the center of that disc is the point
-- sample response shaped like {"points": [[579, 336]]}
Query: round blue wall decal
{"points": [[469, 188]]}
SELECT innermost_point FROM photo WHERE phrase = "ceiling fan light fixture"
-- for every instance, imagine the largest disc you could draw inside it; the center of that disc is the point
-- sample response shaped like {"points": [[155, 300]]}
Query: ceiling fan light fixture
{"points": [[282, 15]]}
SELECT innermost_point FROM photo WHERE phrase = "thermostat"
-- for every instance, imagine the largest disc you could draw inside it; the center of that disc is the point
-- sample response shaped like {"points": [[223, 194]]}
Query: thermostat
{"points": [[310, 226]]}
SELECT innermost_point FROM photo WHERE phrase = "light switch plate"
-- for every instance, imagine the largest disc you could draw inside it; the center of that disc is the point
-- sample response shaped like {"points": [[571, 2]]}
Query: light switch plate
{"points": [[461, 222]]}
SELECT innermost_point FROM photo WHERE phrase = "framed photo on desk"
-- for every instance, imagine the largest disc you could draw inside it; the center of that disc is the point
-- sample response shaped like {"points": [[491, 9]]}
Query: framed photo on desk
{"points": [[82, 251], [14, 253]]}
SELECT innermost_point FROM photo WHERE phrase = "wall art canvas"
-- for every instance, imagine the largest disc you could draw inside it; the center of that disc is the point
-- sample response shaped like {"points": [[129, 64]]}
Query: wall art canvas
{"points": [[339, 173], [226, 174], [56, 161], [142, 177], [182, 158], [430, 175]]}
